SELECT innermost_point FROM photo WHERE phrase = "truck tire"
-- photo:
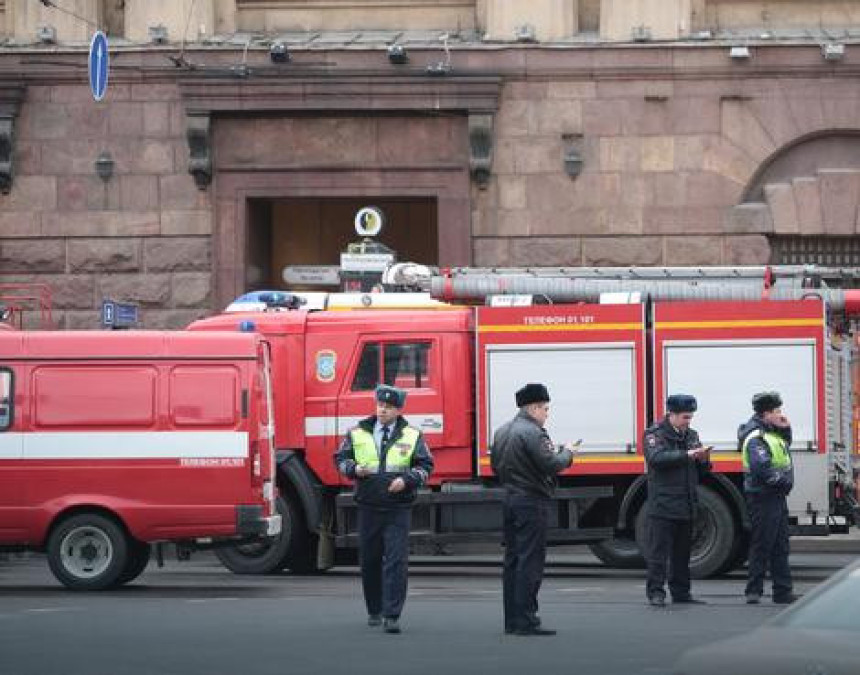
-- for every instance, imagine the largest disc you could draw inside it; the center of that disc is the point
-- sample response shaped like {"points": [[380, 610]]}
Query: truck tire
{"points": [[138, 559], [290, 549], [88, 552], [620, 552], [714, 535]]}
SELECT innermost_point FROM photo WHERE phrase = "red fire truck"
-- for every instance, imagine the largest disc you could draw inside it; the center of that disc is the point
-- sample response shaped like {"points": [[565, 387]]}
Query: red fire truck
{"points": [[608, 367], [111, 441]]}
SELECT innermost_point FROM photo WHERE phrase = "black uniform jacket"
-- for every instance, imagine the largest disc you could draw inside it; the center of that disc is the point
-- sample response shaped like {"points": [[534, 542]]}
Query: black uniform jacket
{"points": [[524, 458], [372, 490], [672, 475]]}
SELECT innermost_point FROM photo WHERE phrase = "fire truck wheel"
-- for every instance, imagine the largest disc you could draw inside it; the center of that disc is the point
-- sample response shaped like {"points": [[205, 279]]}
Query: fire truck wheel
{"points": [[621, 552], [88, 552], [266, 556], [138, 559], [714, 534]]}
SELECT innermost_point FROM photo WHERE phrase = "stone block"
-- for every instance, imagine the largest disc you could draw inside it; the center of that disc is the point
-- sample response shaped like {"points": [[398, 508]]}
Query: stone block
{"points": [[491, 252], [658, 153], [694, 251], [192, 289], [647, 117], [513, 223], [139, 193], [557, 117], [840, 190], [89, 320], [754, 217], [572, 90], [621, 251], [604, 117], [745, 130], [807, 199], [32, 256], [72, 291], [746, 250], [88, 121], [551, 192], [538, 155], [151, 156], [780, 198], [683, 220], [100, 224], [690, 152], [163, 254], [666, 189], [26, 224], [179, 223], [512, 192], [695, 115], [513, 119], [590, 190], [524, 90], [104, 255], [546, 252], [152, 290], [712, 189], [42, 122], [618, 219], [31, 193], [156, 119], [28, 158], [620, 153], [87, 193], [726, 159], [154, 92]]}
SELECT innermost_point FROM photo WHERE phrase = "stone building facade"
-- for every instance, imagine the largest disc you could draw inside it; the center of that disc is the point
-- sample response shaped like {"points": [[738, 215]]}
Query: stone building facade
{"points": [[535, 132]]}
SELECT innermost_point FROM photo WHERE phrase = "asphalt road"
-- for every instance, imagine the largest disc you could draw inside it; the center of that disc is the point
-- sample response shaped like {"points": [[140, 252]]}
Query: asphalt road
{"points": [[198, 619]]}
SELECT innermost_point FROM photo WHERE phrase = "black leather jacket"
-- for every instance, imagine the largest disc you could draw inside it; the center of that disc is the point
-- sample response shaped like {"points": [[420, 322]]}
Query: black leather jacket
{"points": [[672, 475], [524, 458]]}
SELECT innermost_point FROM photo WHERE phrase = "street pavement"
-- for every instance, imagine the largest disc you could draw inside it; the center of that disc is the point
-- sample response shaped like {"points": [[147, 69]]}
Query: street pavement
{"points": [[196, 618]]}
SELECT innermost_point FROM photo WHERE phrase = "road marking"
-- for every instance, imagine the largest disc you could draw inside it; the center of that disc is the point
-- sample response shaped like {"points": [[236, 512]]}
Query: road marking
{"points": [[200, 601], [581, 589], [52, 610]]}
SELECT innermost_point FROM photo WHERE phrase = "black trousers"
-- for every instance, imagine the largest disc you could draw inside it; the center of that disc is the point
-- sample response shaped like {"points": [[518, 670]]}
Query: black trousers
{"points": [[769, 546], [667, 544], [525, 524], [384, 555]]}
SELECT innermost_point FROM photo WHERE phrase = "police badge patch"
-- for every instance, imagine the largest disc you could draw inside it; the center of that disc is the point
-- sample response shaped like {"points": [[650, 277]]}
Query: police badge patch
{"points": [[326, 361], [651, 440]]}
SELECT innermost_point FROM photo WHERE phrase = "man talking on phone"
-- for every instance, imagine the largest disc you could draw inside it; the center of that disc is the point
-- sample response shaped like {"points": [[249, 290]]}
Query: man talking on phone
{"points": [[768, 478], [677, 461]]}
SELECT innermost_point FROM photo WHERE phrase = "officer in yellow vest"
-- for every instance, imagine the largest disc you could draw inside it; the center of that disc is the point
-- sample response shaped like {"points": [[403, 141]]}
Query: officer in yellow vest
{"points": [[768, 478], [389, 461]]}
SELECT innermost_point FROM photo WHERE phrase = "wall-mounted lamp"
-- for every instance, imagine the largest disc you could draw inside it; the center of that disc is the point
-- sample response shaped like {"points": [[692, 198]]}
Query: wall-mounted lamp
{"points": [[158, 34], [740, 53], [104, 166], [47, 35], [279, 53], [833, 51], [573, 159], [641, 34], [397, 54]]}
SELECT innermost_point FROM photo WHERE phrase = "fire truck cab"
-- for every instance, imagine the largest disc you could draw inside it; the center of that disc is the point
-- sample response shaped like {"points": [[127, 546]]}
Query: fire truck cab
{"points": [[112, 441]]}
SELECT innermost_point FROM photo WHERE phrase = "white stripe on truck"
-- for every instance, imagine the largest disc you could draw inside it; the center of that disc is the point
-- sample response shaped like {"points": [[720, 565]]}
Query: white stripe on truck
{"points": [[124, 445], [338, 426]]}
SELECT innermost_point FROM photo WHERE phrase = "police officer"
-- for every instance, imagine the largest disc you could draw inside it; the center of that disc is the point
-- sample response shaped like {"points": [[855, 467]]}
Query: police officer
{"points": [[768, 478], [526, 462], [389, 461], [676, 463]]}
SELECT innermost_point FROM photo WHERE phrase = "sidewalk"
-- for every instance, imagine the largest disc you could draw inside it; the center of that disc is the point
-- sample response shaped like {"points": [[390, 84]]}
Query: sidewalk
{"points": [[834, 543]]}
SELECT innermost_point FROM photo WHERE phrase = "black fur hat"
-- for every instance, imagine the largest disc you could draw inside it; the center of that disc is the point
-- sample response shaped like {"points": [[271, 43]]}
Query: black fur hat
{"points": [[681, 403], [532, 393], [385, 393]]}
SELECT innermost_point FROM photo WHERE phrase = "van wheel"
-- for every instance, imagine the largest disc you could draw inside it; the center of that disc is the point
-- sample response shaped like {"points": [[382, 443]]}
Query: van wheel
{"points": [[88, 552], [713, 548], [138, 559], [620, 552], [291, 548]]}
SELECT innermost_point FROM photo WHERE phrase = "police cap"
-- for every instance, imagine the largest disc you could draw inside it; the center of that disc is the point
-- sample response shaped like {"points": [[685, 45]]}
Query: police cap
{"points": [[765, 401], [681, 403], [385, 393], [532, 393]]}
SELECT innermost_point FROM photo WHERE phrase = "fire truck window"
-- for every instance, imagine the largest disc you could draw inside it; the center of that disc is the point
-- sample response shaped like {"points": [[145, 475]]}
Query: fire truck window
{"points": [[367, 373], [5, 399], [406, 365]]}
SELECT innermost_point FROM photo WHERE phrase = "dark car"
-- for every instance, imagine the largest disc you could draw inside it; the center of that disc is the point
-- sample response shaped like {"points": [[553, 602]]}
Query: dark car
{"points": [[818, 635]]}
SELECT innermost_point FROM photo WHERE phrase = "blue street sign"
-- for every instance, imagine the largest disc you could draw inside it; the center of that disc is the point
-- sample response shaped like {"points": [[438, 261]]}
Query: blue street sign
{"points": [[98, 65], [118, 314]]}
